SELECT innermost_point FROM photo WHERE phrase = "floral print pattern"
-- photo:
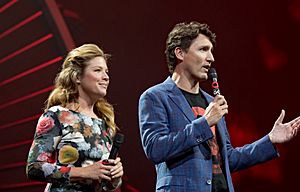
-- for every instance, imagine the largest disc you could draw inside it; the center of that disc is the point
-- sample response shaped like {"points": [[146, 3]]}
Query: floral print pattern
{"points": [[65, 139], [44, 125], [68, 155]]}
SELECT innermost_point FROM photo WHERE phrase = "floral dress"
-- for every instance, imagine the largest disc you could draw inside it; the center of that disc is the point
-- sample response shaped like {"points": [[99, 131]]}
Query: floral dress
{"points": [[65, 139]]}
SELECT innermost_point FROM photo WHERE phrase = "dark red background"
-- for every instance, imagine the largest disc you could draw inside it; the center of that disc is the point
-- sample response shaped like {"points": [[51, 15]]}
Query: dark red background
{"points": [[256, 60]]}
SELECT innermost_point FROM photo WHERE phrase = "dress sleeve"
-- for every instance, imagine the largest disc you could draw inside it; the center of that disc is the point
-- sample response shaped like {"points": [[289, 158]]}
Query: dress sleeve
{"points": [[41, 162], [112, 186]]}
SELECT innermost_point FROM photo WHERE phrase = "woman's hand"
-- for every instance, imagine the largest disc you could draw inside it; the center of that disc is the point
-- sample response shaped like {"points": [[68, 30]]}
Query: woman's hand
{"points": [[97, 171], [116, 171]]}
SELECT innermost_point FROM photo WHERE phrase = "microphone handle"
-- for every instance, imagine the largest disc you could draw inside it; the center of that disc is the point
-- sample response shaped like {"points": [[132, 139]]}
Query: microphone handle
{"points": [[118, 140], [215, 87], [113, 152]]}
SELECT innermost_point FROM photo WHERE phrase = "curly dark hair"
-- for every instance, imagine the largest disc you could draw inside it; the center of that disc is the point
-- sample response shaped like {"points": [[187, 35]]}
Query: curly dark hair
{"points": [[182, 35]]}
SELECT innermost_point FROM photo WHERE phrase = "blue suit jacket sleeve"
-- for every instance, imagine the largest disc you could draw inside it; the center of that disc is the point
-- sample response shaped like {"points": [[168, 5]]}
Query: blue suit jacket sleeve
{"points": [[175, 141], [248, 155]]}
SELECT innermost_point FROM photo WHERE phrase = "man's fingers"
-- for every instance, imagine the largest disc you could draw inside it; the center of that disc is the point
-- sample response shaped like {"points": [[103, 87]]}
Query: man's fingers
{"points": [[296, 123], [220, 100]]}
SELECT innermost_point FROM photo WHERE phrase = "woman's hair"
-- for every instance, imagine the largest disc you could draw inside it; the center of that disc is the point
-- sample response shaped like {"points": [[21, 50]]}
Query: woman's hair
{"points": [[182, 35], [66, 90]]}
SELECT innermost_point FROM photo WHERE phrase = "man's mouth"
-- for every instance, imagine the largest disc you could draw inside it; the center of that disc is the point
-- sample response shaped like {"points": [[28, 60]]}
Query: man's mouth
{"points": [[206, 67]]}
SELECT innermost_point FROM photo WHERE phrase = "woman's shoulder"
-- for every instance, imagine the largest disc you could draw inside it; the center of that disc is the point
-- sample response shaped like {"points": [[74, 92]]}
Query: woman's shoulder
{"points": [[57, 108]]}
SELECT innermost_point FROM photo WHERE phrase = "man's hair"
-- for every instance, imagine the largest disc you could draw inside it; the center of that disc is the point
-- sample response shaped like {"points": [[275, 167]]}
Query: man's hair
{"points": [[182, 35]]}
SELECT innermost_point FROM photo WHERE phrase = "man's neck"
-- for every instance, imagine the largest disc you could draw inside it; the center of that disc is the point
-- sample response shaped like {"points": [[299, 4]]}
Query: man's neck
{"points": [[186, 84]]}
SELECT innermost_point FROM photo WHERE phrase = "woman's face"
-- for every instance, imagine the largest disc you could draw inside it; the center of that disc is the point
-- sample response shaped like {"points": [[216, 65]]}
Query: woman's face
{"points": [[94, 81]]}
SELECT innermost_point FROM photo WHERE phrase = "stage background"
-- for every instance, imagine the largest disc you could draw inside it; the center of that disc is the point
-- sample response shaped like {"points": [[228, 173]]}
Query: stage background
{"points": [[256, 59]]}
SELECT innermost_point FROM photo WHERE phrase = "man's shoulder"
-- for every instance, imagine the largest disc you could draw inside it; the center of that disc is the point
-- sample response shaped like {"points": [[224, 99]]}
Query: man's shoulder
{"points": [[160, 87]]}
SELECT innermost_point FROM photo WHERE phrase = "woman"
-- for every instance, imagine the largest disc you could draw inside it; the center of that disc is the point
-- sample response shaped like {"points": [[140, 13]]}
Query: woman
{"points": [[74, 135]]}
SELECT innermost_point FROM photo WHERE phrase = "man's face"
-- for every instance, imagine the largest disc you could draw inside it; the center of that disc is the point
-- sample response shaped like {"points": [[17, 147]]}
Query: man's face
{"points": [[197, 59]]}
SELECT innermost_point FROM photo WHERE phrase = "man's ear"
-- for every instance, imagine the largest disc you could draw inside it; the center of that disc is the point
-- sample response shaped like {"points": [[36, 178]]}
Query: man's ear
{"points": [[179, 53]]}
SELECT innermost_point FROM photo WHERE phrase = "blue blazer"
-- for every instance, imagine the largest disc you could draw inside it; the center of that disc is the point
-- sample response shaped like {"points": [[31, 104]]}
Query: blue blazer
{"points": [[176, 142]]}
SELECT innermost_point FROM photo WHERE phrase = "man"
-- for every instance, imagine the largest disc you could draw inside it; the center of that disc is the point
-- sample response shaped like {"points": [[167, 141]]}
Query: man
{"points": [[183, 129]]}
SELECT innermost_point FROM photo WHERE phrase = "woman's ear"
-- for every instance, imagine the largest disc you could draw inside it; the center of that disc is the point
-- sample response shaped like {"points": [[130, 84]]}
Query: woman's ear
{"points": [[77, 80], [179, 53]]}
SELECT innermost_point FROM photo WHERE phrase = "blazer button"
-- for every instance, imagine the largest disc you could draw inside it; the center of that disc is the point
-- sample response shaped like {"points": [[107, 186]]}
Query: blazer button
{"points": [[199, 140], [208, 182]]}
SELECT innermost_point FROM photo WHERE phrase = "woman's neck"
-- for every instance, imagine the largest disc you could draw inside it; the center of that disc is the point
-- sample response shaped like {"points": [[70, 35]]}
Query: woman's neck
{"points": [[83, 106]]}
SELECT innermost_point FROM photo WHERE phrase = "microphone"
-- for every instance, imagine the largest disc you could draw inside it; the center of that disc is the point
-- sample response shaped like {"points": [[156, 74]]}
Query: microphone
{"points": [[213, 77], [118, 140]]}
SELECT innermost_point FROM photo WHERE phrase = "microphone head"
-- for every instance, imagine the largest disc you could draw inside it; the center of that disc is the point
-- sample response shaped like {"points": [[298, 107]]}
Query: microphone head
{"points": [[119, 138], [212, 73]]}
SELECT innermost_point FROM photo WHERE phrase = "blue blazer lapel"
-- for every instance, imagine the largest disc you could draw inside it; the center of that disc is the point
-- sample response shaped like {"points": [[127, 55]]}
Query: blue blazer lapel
{"points": [[178, 98]]}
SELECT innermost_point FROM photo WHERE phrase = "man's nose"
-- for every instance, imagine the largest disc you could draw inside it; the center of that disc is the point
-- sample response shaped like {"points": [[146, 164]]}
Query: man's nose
{"points": [[210, 57]]}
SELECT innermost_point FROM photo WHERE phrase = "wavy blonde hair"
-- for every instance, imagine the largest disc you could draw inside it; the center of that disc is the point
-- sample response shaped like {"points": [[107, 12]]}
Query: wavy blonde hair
{"points": [[66, 90]]}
